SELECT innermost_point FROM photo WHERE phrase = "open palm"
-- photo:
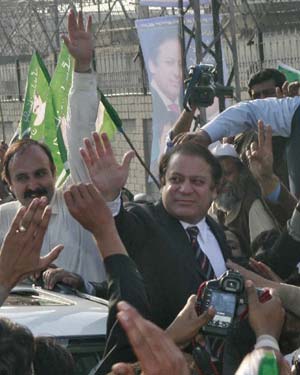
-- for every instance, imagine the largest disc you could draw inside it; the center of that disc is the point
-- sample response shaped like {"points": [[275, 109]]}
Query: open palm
{"points": [[79, 40], [105, 172]]}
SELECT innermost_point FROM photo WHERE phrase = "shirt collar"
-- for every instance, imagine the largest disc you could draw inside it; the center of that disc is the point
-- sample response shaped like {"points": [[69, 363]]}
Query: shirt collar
{"points": [[163, 97], [201, 225]]}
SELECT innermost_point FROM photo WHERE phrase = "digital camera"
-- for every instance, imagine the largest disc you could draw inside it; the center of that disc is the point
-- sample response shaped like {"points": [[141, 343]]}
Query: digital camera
{"points": [[202, 86], [228, 297]]}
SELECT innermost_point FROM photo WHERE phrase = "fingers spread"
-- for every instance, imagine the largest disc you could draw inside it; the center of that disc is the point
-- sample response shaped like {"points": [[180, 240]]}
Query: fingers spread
{"points": [[80, 20], [127, 160], [98, 144], [89, 25]]}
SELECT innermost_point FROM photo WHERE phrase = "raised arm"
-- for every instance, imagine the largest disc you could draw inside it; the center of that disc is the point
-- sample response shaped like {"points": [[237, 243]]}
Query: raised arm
{"points": [[83, 99], [87, 205], [244, 116]]}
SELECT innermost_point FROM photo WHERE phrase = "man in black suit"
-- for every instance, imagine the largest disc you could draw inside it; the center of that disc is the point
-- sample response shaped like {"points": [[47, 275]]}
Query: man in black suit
{"points": [[155, 235]]}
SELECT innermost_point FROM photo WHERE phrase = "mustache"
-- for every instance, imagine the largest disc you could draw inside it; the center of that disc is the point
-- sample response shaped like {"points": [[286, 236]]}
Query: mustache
{"points": [[35, 193]]}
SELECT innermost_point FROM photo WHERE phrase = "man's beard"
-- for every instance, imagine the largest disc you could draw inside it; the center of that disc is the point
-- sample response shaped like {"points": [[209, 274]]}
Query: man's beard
{"points": [[227, 200]]}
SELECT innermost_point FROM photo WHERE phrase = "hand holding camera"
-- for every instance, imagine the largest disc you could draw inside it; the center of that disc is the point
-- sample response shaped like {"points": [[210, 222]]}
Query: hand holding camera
{"points": [[265, 318], [231, 298], [202, 87]]}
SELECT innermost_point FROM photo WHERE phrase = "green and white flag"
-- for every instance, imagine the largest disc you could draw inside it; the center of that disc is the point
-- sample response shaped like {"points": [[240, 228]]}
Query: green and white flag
{"points": [[36, 93], [108, 120], [56, 110], [290, 73]]}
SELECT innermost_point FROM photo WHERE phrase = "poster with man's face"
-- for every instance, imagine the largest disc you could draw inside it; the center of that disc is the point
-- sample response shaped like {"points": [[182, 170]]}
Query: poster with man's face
{"points": [[161, 47], [160, 43]]}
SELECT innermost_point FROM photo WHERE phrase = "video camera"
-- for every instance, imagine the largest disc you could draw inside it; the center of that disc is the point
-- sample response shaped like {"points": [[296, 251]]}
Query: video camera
{"points": [[202, 87], [228, 297]]}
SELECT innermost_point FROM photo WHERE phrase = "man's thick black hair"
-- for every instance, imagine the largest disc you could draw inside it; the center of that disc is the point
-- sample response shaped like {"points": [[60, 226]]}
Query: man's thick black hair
{"points": [[265, 75], [191, 148]]}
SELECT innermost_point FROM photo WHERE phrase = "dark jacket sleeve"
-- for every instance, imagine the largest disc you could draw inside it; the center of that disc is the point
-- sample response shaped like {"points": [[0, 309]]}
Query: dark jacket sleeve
{"points": [[284, 255], [124, 284]]}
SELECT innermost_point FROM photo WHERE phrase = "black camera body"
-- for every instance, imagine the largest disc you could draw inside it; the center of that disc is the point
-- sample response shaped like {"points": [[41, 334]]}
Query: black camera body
{"points": [[228, 297], [202, 86]]}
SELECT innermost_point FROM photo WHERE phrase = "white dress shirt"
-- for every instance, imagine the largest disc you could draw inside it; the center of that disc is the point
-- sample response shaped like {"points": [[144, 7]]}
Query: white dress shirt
{"points": [[209, 245]]}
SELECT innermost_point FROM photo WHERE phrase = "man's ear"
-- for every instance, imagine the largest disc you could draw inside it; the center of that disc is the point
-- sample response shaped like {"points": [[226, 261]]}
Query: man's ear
{"points": [[10, 188]]}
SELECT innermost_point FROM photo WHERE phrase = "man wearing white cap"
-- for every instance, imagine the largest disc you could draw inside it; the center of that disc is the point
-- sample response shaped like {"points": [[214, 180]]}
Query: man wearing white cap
{"points": [[239, 205]]}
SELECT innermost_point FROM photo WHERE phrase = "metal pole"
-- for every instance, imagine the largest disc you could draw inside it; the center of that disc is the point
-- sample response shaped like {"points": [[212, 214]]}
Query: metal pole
{"points": [[218, 48], [56, 22], [2, 123], [182, 39], [234, 52], [198, 45]]}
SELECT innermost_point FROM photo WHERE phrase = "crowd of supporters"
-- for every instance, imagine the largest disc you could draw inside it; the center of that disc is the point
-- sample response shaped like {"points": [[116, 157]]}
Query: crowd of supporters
{"points": [[229, 201]]}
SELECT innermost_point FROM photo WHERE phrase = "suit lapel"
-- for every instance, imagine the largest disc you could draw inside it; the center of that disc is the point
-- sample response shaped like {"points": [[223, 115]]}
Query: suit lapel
{"points": [[184, 250], [220, 237]]}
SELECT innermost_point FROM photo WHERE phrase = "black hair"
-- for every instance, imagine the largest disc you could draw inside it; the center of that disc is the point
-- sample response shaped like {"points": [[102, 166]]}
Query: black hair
{"points": [[265, 75], [16, 348], [19, 147], [192, 149], [52, 358]]}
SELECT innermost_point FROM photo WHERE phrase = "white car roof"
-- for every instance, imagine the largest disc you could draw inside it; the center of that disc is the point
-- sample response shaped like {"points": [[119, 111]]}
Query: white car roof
{"points": [[47, 313]]}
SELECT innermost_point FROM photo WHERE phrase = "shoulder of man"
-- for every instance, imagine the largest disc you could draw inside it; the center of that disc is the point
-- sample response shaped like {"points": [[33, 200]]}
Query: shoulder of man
{"points": [[7, 213], [10, 207]]}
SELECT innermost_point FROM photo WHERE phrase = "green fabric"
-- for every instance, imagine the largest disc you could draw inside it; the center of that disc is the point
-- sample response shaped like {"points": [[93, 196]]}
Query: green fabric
{"points": [[110, 121], [290, 73], [36, 91], [56, 109]]}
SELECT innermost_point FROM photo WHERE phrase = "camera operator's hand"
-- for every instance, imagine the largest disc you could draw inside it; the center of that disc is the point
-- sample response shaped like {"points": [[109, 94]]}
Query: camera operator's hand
{"points": [[265, 318], [187, 323]]}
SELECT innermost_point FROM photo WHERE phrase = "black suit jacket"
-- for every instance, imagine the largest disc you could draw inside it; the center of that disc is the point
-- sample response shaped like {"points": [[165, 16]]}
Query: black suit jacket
{"points": [[160, 247], [162, 252]]}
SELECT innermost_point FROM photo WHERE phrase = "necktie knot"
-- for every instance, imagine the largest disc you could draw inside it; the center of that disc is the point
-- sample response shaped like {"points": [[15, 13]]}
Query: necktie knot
{"points": [[193, 233]]}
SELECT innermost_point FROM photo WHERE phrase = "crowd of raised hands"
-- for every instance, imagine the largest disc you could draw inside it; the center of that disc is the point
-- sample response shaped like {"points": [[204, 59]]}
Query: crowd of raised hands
{"points": [[158, 352]]}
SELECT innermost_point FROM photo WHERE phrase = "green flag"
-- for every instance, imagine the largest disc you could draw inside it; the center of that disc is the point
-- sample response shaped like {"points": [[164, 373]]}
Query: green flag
{"points": [[290, 73], [36, 93], [108, 120], [56, 109]]}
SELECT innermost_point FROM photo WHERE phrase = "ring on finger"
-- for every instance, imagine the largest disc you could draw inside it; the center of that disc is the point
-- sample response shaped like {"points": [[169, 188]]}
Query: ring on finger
{"points": [[22, 228]]}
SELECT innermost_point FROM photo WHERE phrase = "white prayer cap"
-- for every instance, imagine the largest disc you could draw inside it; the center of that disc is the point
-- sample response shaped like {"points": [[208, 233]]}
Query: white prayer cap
{"points": [[222, 149]]}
